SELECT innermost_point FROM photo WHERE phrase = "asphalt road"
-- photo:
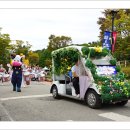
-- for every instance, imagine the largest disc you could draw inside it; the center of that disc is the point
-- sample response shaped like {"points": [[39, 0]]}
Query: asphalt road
{"points": [[35, 103]]}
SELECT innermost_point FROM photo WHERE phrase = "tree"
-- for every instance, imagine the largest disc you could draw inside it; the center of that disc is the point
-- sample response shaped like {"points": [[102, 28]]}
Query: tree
{"points": [[33, 59], [121, 22], [21, 47], [4, 45], [122, 26], [122, 49], [56, 42], [45, 58]]}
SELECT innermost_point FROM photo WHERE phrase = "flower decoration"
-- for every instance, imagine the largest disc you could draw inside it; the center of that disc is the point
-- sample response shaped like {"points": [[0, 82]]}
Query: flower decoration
{"points": [[95, 52], [64, 59], [112, 88], [98, 49]]}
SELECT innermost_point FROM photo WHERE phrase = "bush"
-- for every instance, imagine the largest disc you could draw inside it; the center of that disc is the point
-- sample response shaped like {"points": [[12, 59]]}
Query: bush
{"points": [[126, 70], [85, 50], [89, 64], [105, 51], [113, 62], [118, 68], [92, 53]]}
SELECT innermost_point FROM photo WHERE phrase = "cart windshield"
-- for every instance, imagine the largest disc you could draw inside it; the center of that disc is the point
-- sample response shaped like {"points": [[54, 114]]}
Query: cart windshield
{"points": [[106, 70]]}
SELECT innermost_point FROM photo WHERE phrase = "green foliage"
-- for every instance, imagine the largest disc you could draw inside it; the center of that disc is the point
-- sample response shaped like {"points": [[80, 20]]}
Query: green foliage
{"points": [[118, 68], [85, 50], [92, 53], [33, 59], [113, 62], [21, 47], [105, 52], [4, 49], [112, 88], [122, 48], [95, 52], [122, 25], [106, 89], [106, 97], [89, 64], [45, 58], [121, 22], [126, 70], [64, 59], [56, 42]]}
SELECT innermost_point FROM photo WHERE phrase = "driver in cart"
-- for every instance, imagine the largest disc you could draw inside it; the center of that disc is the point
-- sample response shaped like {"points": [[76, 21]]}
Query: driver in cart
{"points": [[75, 77]]}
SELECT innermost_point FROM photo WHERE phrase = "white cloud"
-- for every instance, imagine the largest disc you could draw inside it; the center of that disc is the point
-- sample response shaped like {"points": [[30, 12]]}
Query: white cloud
{"points": [[36, 25]]}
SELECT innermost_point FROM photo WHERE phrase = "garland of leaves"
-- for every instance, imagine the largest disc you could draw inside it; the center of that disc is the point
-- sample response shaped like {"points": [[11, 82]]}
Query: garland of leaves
{"points": [[111, 88], [64, 58]]}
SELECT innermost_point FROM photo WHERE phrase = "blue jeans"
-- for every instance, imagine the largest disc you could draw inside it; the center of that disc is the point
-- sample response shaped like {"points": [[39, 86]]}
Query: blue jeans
{"points": [[17, 79]]}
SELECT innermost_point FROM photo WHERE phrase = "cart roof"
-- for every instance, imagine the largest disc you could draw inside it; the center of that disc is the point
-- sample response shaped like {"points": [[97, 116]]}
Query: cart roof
{"points": [[101, 61]]}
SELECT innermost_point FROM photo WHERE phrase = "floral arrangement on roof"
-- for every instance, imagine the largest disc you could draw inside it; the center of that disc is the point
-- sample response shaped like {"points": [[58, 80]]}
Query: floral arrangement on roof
{"points": [[95, 52]]}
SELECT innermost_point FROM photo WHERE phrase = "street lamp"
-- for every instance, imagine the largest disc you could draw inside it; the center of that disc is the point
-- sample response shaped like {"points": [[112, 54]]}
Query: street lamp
{"points": [[113, 14]]}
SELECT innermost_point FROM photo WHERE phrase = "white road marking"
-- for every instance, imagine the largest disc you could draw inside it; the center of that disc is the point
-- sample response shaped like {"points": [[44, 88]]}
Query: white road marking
{"points": [[115, 116], [7, 114], [22, 97]]}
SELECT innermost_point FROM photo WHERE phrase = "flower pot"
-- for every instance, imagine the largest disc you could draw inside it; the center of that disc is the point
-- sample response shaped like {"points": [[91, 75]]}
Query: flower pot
{"points": [[6, 78], [27, 79], [41, 79]]}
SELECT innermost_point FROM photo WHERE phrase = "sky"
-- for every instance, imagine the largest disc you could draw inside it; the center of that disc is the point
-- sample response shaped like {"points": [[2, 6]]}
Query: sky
{"points": [[36, 25]]}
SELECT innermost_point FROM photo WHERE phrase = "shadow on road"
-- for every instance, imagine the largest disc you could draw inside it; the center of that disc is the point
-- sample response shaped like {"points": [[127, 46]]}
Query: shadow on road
{"points": [[104, 106]]}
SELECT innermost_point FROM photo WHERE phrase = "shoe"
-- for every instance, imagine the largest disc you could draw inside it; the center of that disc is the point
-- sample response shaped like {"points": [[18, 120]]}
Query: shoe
{"points": [[18, 90], [14, 89]]}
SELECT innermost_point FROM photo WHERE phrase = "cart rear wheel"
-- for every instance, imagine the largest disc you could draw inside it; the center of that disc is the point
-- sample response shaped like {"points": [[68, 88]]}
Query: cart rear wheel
{"points": [[93, 99]]}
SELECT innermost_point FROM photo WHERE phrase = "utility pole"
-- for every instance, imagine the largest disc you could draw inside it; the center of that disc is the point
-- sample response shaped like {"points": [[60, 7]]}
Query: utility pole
{"points": [[113, 14]]}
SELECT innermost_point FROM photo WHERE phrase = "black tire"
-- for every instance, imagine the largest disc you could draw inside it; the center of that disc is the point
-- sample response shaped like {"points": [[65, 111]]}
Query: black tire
{"points": [[122, 103], [55, 92], [93, 99]]}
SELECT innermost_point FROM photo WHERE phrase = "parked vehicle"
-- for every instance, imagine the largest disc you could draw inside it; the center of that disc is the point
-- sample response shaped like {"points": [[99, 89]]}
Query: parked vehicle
{"points": [[101, 79]]}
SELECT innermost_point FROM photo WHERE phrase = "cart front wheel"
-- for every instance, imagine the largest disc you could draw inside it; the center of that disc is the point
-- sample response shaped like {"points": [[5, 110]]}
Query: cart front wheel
{"points": [[55, 92], [93, 99]]}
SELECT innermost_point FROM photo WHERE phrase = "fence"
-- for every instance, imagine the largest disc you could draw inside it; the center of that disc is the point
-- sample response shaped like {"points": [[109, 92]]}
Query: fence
{"points": [[124, 63]]}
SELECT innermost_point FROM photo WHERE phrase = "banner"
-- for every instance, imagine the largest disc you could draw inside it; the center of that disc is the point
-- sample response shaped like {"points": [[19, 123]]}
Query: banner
{"points": [[107, 40], [114, 34]]}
